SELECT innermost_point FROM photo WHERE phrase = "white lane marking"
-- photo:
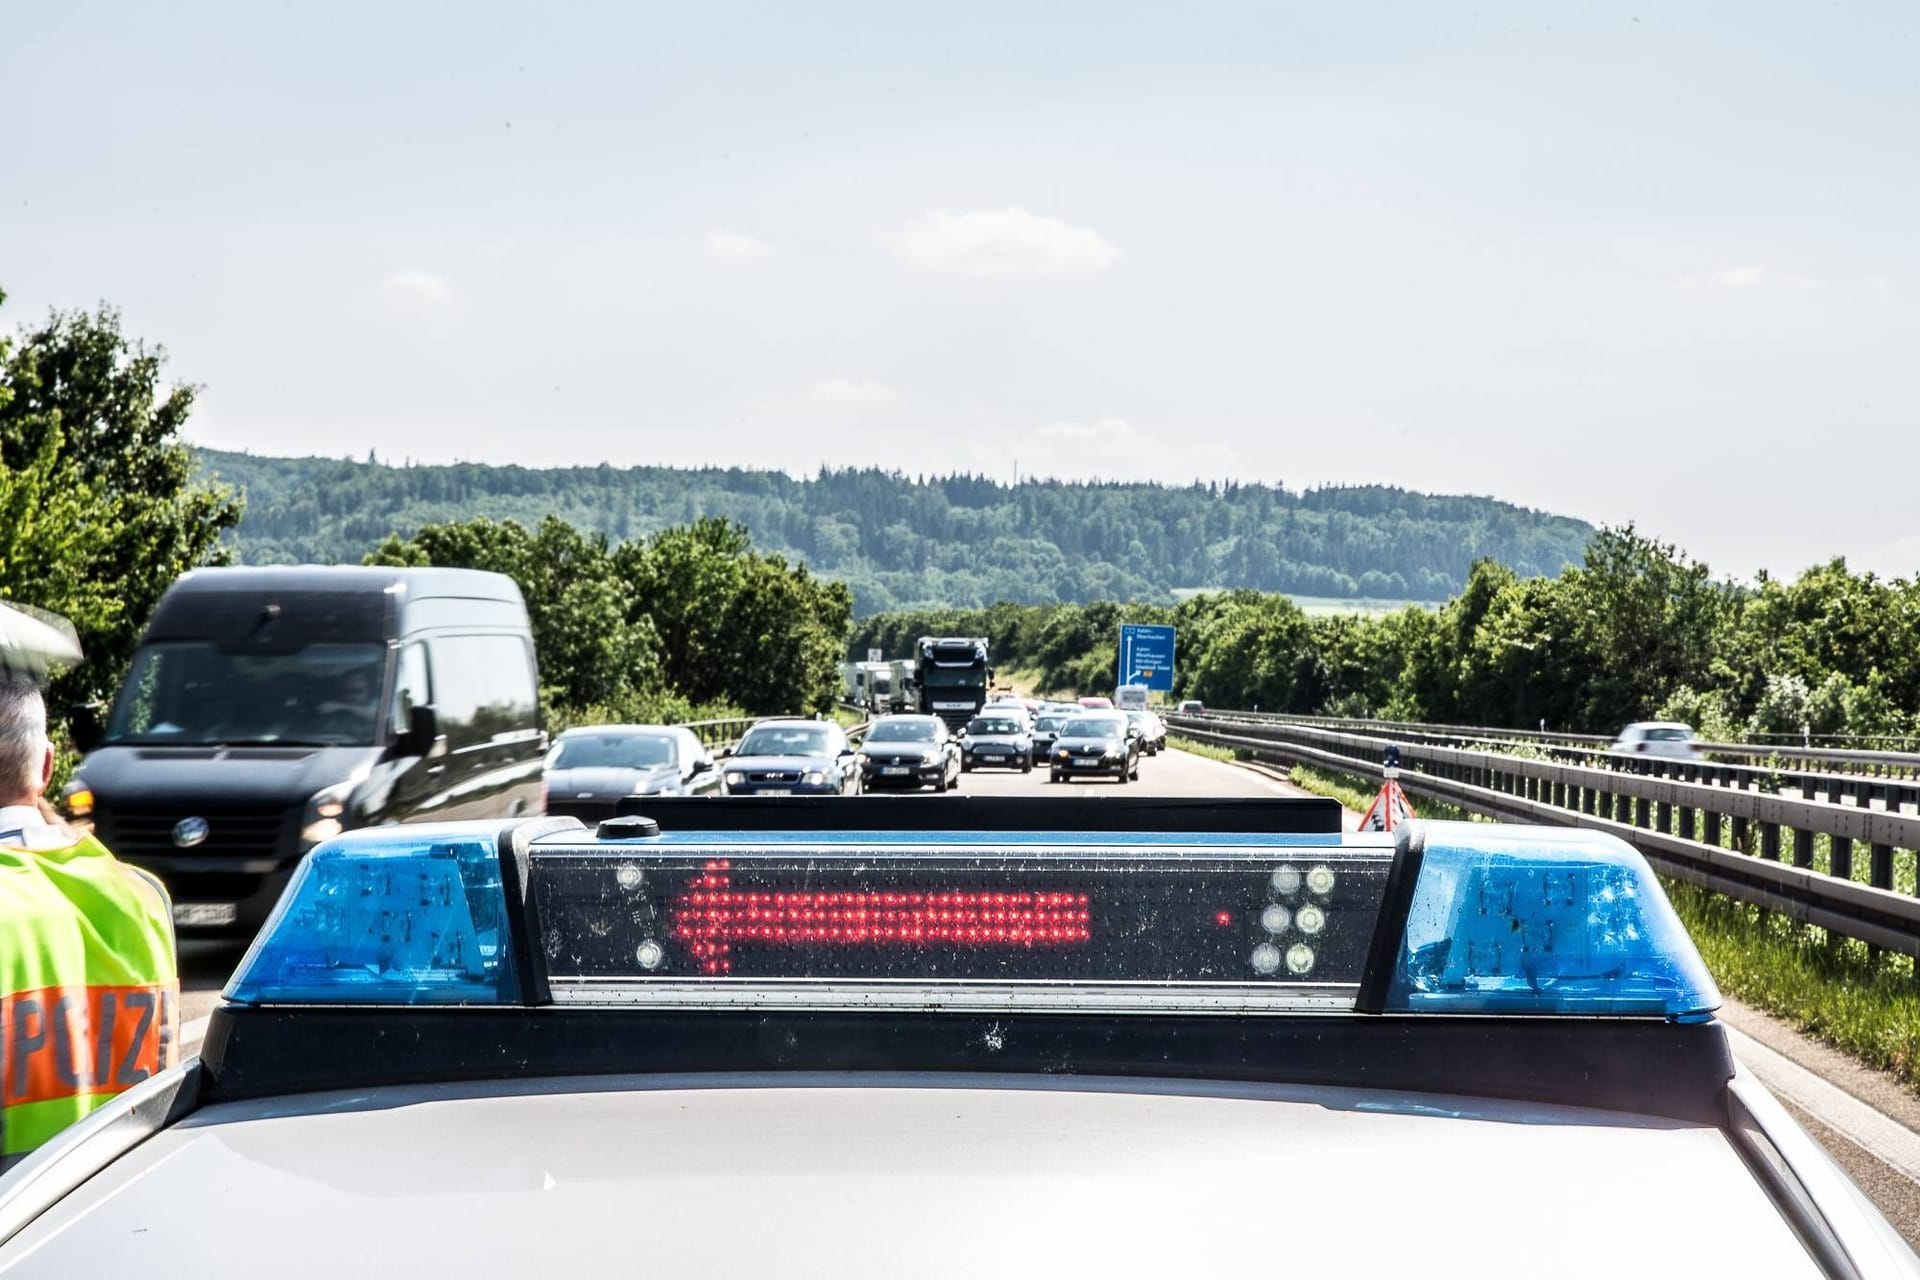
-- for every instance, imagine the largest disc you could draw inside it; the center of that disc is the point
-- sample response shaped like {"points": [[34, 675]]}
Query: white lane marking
{"points": [[191, 1034], [1887, 1140]]}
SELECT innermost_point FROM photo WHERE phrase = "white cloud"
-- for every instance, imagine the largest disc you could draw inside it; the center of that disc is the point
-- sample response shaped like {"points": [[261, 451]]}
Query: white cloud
{"points": [[736, 248], [853, 393], [1001, 242], [413, 287]]}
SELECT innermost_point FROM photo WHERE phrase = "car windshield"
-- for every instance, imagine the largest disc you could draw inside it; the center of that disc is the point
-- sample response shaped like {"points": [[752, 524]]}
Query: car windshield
{"points": [[988, 726], [901, 731], [784, 740], [192, 693], [1668, 735], [1093, 727], [613, 751], [1049, 724]]}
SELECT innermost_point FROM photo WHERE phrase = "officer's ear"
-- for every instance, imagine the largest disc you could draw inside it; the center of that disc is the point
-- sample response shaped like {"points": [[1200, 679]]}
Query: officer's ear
{"points": [[46, 769]]}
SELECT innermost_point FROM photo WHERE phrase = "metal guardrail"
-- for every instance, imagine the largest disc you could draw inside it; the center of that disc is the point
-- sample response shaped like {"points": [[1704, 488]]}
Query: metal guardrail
{"points": [[1898, 766], [1682, 827], [1894, 791]]}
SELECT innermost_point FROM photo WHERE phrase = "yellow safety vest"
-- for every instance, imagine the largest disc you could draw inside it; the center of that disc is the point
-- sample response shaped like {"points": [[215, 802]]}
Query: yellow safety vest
{"points": [[89, 986]]}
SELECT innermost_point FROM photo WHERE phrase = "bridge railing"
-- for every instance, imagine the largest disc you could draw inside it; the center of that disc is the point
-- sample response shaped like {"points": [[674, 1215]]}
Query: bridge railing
{"points": [[1827, 864]]}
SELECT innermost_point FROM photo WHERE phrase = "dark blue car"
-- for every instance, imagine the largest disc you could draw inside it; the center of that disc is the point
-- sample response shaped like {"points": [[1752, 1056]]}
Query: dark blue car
{"points": [[792, 758]]}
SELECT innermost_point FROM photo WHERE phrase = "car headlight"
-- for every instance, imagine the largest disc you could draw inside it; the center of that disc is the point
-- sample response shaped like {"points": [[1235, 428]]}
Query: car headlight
{"points": [[736, 779], [79, 799], [323, 819], [1111, 753], [1064, 754], [814, 778]]}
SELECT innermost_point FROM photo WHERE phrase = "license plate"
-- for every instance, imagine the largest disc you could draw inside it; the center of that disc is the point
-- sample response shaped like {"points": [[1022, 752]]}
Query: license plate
{"points": [[1089, 764], [953, 706], [203, 913], [774, 791], [891, 772]]}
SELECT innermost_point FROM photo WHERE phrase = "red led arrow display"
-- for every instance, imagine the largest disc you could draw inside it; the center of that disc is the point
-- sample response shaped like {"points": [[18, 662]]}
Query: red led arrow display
{"points": [[710, 917]]}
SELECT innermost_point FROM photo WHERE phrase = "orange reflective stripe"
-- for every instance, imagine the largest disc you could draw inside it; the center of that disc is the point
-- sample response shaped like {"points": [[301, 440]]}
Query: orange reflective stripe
{"points": [[62, 1042]]}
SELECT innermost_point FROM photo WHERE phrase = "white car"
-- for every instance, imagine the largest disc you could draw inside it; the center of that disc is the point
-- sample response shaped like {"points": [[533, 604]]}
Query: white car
{"points": [[1666, 739], [1132, 1037]]}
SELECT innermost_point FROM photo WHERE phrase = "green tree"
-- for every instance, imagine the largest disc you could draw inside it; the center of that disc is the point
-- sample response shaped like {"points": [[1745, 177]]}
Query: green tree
{"points": [[103, 503]]}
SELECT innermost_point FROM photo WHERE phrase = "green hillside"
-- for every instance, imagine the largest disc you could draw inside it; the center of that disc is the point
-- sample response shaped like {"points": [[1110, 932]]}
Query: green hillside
{"points": [[959, 541]]}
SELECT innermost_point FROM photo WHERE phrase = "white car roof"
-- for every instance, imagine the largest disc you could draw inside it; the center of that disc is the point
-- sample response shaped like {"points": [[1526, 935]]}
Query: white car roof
{"points": [[697, 1178]]}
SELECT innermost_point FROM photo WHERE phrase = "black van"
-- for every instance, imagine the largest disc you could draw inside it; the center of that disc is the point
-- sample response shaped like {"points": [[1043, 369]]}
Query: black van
{"points": [[268, 708]]}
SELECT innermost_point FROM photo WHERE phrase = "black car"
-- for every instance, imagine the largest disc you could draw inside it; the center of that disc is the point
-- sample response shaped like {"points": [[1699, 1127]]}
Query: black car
{"points": [[1100, 743], [589, 770], [909, 751], [792, 758], [1152, 730], [1045, 730], [997, 740]]}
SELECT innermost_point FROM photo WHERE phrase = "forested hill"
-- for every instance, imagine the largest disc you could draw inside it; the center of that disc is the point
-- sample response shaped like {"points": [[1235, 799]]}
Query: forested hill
{"points": [[943, 541]]}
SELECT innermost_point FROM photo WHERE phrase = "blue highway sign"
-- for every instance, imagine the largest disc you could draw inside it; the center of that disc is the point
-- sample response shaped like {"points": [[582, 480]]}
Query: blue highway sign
{"points": [[1146, 656]]}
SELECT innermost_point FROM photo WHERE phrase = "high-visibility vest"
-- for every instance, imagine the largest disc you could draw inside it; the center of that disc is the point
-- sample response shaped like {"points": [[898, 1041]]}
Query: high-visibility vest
{"points": [[89, 986]]}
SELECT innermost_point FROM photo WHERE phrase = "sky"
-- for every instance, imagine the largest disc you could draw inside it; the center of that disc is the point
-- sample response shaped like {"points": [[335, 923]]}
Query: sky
{"points": [[1633, 263]]}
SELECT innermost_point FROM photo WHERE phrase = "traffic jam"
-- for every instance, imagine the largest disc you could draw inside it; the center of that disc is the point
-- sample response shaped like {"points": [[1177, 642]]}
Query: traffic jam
{"points": [[526, 1006]]}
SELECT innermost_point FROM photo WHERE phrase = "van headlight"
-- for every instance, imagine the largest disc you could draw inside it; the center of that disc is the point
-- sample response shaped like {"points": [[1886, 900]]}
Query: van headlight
{"points": [[325, 815], [736, 779], [813, 778]]}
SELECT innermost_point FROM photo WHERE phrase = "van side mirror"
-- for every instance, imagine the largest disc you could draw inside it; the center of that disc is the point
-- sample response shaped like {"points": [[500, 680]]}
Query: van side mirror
{"points": [[83, 729], [422, 735], [703, 765]]}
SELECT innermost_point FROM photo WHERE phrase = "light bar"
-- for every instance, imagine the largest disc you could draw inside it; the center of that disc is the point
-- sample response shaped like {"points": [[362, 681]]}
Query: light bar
{"points": [[1530, 920], [1472, 918], [388, 916]]}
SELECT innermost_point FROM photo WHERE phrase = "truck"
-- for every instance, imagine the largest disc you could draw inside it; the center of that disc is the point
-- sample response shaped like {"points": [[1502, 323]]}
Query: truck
{"points": [[1130, 697], [870, 685], [951, 675]]}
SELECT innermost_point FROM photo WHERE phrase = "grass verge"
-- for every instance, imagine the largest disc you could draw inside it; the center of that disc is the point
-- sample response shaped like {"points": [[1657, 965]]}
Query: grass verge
{"points": [[1206, 749], [1831, 988]]}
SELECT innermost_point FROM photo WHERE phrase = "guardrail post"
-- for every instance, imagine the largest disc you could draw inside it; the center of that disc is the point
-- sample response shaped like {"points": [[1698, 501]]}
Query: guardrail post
{"points": [[1880, 869], [1840, 861], [1740, 834], [1664, 824], [1687, 812], [1770, 841], [1641, 811], [1802, 848], [1712, 836]]}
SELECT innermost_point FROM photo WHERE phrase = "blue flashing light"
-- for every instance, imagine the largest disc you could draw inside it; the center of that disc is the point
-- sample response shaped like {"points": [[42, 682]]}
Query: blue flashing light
{"points": [[387, 916], [1544, 922]]}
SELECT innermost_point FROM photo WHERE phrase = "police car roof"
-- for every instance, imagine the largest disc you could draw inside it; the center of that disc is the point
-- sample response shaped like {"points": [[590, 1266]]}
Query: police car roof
{"points": [[870, 1176]]}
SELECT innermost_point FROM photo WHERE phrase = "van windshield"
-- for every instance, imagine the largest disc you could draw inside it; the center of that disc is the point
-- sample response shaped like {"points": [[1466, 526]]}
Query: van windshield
{"points": [[190, 693]]}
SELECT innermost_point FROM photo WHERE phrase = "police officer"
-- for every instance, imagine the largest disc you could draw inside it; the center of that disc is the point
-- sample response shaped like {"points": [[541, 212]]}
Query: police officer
{"points": [[88, 979]]}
